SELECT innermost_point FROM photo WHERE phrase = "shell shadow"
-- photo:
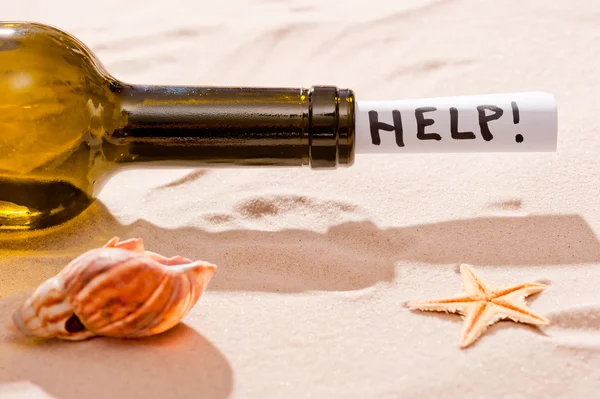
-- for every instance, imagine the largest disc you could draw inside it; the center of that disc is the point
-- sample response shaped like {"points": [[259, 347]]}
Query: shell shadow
{"points": [[175, 364]]}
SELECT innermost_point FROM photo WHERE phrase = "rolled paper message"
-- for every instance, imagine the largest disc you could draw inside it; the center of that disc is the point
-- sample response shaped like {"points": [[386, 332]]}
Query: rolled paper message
{"points": [[510, 122]]}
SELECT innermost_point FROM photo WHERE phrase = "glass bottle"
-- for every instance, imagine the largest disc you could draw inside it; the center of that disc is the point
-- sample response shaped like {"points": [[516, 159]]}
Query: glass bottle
{"points": [[66, 125]]}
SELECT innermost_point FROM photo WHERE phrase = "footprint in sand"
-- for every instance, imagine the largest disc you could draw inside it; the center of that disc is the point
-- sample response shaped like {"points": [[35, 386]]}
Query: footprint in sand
{"points": [[508, 205], [256, 208], [277, 205], [218, 218]]}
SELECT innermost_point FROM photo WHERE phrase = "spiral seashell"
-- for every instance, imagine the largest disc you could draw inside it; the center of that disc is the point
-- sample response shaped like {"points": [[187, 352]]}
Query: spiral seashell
{"points": [[118, 290]]}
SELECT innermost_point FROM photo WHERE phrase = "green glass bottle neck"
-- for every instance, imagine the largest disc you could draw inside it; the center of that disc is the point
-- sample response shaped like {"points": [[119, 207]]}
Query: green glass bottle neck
{"points": [[235, 126]]}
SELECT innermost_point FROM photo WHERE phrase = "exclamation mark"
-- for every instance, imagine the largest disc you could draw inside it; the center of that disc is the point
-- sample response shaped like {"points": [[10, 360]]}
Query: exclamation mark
{"points": [[515, 110]]}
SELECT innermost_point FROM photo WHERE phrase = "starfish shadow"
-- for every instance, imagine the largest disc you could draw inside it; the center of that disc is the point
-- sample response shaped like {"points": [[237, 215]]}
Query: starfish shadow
{"points": [[508, 324], [492, 330]]}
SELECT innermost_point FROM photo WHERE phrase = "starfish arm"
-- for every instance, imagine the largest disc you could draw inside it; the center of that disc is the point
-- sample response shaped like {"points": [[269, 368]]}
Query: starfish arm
{"points": [[512, 301], [519, 313], [473, 285], [518, 291], [478, 317], [452, 305]]}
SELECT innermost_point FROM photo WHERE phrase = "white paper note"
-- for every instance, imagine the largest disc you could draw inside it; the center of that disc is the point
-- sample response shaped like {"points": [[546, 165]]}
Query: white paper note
{"points": [[509, 122]]}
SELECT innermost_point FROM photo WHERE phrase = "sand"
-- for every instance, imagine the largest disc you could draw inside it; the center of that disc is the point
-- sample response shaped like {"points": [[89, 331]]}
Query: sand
{"points": [[315, 266]]}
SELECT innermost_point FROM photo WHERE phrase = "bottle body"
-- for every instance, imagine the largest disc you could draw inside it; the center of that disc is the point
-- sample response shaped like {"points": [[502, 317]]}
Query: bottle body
{"points": [[65, 124], [55, 109]]}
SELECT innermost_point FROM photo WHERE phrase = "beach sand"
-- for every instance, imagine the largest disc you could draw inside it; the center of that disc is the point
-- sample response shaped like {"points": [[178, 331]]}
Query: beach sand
{"points": [[314, 267]]}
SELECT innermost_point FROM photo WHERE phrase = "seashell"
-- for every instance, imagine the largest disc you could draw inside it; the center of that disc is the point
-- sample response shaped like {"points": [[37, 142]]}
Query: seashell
{"points": [[119, 290]]}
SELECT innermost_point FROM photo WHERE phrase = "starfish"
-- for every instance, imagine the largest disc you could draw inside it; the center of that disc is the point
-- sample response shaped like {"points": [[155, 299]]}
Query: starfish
{"points": [[482, 305]]}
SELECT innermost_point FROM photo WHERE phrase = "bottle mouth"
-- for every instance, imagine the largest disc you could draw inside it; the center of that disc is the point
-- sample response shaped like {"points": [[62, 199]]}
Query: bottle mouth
{"points": [[331, 127]]}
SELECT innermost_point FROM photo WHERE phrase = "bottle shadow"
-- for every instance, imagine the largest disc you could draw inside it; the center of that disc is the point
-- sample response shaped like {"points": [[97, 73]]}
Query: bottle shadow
{"points": [[179, 363], [349, 256]]}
